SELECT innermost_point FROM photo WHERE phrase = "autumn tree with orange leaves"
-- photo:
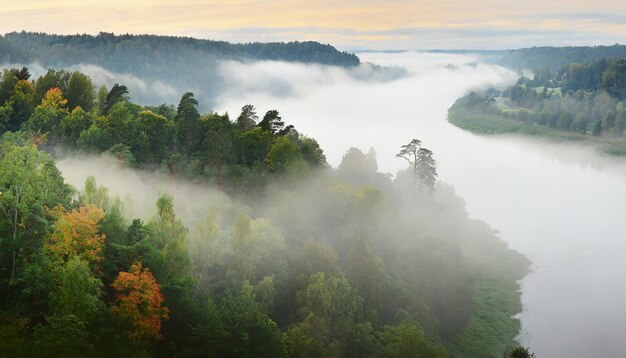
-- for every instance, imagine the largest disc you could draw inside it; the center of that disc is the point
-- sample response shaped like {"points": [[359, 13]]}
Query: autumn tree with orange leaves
{"points": [[53, 98], [139, 303], [47, 116], [76, 233]]}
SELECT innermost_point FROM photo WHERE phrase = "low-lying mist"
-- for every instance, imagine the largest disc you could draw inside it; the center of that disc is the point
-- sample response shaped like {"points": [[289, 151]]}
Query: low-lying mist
{"points": [[139, 190], [341, 110]]}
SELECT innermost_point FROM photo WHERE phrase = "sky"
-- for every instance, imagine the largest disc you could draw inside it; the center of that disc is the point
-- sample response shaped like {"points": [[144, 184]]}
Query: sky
{"points": [[348, 24]]}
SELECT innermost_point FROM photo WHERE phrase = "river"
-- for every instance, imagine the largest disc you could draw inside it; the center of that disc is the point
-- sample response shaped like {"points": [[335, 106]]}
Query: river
{"points": [[563, 206]]}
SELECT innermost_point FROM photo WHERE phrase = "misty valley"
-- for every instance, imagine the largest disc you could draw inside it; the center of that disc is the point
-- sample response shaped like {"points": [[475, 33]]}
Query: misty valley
{"points": [[169, 196]]}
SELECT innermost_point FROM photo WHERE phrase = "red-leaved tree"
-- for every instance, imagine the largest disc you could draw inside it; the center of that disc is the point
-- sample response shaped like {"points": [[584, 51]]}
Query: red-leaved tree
{"points": [[139, 303]]}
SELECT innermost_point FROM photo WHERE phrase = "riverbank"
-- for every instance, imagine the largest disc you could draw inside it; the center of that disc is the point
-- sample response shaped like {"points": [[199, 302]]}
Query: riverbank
{"points": [[477, 121], [495, 294]]}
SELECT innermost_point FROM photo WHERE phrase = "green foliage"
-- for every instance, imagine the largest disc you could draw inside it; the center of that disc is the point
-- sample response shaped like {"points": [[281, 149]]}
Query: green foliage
{"points": [[238, 156], [237, 327], [407, 340], [489, 332], [166, 236], [252, 147], [10, 77], [123, 154], [94, 139], [22, 103], [244, 248], [422, 162], [519, 352], [73, 125], [52, 79], [101, 98], [154, 137], [366, 273], [62, 336], [332, 323], [46, 120], [29, 182], [271, 122], [187, 124], [248, 118], [78, 292], [14, 336], [284, 155], [426, 168], [311, 152], [5, 116], [118, 93], [80, 92], [165, 252]]}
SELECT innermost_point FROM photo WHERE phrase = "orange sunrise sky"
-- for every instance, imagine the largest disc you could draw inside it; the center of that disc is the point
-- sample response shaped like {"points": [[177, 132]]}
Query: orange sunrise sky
{"points": [[372, 24]]}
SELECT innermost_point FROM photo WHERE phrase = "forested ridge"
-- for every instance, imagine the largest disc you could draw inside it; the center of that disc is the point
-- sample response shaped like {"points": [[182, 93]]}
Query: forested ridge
{"points": [[163, 62], [555, 58], [280, 255], [145, 53]]}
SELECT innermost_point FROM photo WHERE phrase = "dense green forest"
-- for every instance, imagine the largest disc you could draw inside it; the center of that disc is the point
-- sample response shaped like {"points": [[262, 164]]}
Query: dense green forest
{"points": [[295, 258], [580, 101]]}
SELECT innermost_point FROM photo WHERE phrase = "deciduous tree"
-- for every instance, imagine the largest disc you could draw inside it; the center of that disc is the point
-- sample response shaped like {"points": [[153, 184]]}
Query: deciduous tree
{"points": [[76, 233], [29, 181], [139, 304], [80, 92]]}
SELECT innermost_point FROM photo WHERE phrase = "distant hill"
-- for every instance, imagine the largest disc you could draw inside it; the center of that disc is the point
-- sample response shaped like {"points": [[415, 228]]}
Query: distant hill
{"points": [[185, 63], [554, 58], [119, 52]]}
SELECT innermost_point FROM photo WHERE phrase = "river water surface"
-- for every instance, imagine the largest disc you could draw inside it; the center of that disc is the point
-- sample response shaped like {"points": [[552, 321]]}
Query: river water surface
{"points": [[561, 205]]}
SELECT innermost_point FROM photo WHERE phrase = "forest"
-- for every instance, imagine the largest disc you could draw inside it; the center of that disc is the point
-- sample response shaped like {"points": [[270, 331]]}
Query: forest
{"points": [[144, 52], [163, 61], [275, 253], [579, 101], [555, 58]]}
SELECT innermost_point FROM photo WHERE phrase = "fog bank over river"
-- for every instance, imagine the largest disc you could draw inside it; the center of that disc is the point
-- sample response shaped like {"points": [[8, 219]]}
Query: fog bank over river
{"points": [[561, 205]]}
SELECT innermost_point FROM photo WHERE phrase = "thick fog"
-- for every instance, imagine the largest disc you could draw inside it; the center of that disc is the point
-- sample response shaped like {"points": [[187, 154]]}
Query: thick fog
{"points": [[561, 205]]}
